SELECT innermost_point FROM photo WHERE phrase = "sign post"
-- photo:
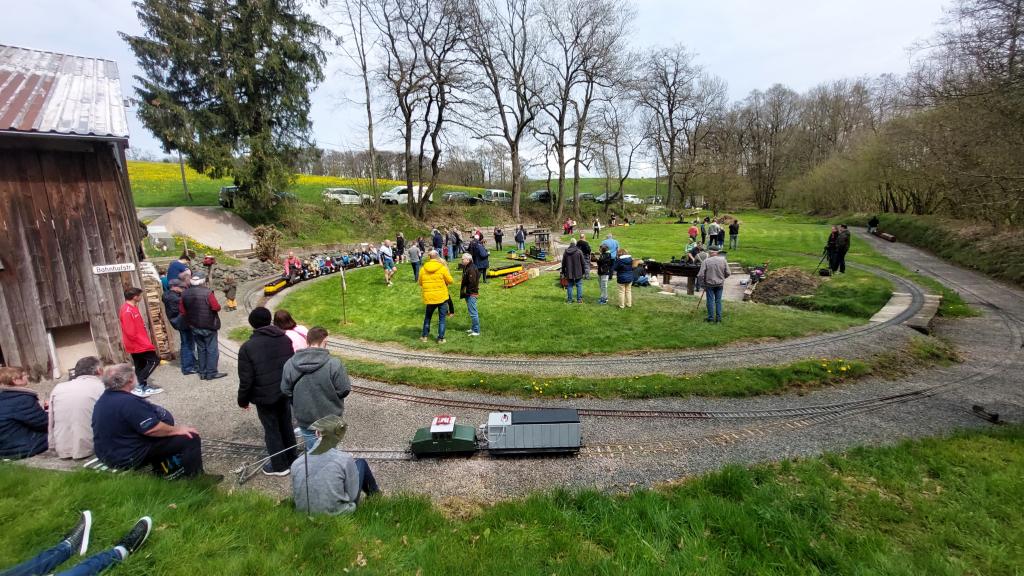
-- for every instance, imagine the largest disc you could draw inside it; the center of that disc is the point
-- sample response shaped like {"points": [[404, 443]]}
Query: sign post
{"points": [[114, 268]]}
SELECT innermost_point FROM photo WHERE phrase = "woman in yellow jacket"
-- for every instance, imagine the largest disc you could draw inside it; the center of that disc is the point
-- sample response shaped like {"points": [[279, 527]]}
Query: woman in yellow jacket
{"points": [[434, 280]]}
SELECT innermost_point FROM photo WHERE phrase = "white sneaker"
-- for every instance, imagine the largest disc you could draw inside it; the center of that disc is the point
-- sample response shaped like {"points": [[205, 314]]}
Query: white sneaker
{"points": [[139, 391], [474, 333], [152, 392]]}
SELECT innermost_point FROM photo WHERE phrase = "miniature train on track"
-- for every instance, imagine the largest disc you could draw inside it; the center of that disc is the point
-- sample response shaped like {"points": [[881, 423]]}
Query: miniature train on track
{"points": [[320, 266], [518, 432]]}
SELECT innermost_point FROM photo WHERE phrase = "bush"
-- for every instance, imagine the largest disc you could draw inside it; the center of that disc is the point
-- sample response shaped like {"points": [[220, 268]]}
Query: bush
{"points": [[267, 240]]}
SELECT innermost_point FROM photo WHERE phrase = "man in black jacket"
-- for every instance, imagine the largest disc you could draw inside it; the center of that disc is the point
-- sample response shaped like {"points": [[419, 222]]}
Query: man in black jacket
{"points": [[842, 247], [470, 291], [572, 270], [261, 361], [172, 301], [584, 247], [200, 308]]}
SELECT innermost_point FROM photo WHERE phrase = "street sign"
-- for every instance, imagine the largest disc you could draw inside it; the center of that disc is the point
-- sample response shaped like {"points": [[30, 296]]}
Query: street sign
{"points": [[113, 268]]}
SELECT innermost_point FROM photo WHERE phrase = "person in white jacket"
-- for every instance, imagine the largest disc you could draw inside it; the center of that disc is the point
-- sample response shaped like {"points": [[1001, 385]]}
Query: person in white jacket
{"points": [[71, 405]]}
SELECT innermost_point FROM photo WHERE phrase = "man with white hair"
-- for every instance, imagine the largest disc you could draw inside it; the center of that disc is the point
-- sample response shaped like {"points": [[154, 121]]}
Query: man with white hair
{"points": [[712, 275], [200, 307], [71, 406], [130, 432], [387, 260], [469, 291], [612, 244]]}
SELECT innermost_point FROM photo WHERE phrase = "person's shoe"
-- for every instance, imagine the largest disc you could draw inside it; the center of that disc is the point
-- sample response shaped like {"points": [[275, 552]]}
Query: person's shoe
{"points": [[580, 301], [268, 470], [135, 537], [139, 391], [470, 331], [423, 338], [708, 320], [151, 386], [441, 340], [216, 375], [189, 373], [474, 333], [78, 537], [621, 307], [152, 392]]}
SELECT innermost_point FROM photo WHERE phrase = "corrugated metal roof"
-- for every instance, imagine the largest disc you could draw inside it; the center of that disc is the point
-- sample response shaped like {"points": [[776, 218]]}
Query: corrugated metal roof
{"points": [[48, 93]]}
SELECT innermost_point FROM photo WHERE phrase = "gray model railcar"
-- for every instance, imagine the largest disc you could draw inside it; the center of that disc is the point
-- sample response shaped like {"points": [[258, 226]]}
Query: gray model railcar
{"points": [[534, 431]]}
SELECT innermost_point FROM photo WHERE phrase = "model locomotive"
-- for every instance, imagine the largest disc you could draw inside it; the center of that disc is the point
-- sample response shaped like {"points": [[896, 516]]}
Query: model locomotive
{"points": [[517, 432]]}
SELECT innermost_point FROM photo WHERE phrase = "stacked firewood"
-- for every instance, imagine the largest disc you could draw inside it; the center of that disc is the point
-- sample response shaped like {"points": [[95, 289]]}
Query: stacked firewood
{"points": [[153, 292]]}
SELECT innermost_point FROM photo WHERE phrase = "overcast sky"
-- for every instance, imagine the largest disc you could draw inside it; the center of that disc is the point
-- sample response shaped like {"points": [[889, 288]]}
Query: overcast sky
{"points": [[749, 43]]}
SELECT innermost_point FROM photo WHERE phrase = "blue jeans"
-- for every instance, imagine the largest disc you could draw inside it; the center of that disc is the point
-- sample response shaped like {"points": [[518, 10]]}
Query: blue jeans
{"points": [[734, 241], [578, 283], [714, 294], [442, 319], [474, 314], [188, 351], [48, 560], [603, 282], [367, 483], [415, 271], [309, 436], [207, 351], [521, 246]]}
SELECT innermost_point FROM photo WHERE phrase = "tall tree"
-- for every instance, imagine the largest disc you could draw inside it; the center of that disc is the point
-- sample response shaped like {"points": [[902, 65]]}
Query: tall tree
{"points": [[227, 83]]}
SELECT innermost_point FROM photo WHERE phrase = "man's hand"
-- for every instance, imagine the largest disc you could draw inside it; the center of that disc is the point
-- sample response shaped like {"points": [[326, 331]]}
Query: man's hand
{"points": [[185, 431]]}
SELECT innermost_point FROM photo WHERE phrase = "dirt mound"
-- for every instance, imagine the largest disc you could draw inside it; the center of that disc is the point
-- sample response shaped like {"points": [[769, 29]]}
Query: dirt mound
{"points": [[784, 282]]}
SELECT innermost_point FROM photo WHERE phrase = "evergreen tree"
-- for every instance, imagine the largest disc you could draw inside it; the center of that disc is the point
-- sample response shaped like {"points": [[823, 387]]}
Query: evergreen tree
{"points": [[227, 83]]}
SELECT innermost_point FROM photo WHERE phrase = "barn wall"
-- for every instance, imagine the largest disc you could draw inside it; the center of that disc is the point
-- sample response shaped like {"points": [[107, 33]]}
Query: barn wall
{"points": [[64, 207]]}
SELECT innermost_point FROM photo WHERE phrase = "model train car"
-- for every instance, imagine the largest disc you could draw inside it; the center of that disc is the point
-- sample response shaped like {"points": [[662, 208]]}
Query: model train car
{"points": [[504, 270], [517, 432]]}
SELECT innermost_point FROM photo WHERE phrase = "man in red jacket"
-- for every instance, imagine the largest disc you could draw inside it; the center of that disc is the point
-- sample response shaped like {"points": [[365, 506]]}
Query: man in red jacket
{"points": [[138, 344]]}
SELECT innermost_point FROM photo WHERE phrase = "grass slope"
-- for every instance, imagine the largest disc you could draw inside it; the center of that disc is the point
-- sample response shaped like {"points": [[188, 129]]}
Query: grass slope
{"points": [[939, 506]]}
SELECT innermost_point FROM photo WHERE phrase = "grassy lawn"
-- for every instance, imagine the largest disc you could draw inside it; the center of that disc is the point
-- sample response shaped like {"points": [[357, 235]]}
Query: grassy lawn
{"points": [[533, 318], [939, 506]]}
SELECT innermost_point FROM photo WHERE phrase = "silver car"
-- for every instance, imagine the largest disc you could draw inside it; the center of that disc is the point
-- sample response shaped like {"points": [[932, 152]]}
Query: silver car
{"points": [[344, 196]]}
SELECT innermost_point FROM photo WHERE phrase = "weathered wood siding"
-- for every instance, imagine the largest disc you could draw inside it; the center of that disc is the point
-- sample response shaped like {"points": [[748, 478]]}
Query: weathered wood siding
{"points": [[64, 207]]}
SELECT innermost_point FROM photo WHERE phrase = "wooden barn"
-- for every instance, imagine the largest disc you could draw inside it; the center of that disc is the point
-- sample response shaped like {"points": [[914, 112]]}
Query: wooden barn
{"points": [[68, 230]]}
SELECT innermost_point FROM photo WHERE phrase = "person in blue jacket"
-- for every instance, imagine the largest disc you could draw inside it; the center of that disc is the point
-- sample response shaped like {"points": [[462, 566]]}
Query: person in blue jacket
{"points": [[624, 277], [23, 421]]}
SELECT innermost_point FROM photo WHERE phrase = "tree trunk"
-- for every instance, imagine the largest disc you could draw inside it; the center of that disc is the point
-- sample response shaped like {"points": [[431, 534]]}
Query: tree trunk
{"points": [[184, 182], [516, 184]]}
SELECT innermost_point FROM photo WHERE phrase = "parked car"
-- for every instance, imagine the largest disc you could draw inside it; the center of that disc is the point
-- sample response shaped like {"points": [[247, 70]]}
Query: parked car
{"points": [[587, 198], [654, 200], [228, 194], [600, 199], [458, 197], [492, 196], [345, 196], [540, 196], [632, 199], [400, 195]]}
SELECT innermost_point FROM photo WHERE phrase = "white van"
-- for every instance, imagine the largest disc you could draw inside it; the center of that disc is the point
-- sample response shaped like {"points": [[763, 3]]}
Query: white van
{"points": [[400, 195], [492, 196]]}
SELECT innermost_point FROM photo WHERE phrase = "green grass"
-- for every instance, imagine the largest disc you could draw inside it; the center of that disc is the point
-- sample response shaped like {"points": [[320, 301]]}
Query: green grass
{"points": [[939, 506], [533, 318]]}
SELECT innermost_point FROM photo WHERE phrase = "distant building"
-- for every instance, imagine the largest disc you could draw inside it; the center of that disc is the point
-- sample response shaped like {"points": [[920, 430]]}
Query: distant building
{"points": [[65, 208]]}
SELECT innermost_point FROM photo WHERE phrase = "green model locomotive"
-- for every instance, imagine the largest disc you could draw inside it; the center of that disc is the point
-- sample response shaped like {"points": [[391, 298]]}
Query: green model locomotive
{"points": [[444, 437]]}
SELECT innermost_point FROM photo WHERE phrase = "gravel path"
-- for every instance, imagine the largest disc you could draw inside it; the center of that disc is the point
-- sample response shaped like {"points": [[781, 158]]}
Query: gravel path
{"points": [[991, 345]]}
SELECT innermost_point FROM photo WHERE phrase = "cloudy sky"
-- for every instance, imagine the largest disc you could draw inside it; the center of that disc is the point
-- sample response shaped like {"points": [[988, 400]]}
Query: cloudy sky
{"points": [[750, 43]]}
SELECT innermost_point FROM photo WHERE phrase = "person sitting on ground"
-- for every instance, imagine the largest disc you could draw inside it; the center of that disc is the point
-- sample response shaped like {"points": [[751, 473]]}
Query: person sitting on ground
{"points": [[261, 361], [23, 422], [327, 480], [712, 275], [387, 260], [77, 542], [470, 291], [324, 383], [690, 253], [434, 281], [71, 406], [873, 225], [296, 333], [130, 432], [693, 231]]}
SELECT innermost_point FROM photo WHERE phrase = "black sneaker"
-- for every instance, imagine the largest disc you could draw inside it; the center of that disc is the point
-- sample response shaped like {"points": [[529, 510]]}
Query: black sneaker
{"points": [[268, 470], [216, 375], [78, 537], [133, 540]]}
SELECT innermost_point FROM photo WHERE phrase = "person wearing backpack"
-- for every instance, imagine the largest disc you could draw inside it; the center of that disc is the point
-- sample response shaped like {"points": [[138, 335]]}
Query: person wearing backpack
{"points": [[480, 256], [604, 272]]}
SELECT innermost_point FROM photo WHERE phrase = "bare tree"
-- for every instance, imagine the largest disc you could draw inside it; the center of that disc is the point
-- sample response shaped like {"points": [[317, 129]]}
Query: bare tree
{"points": [[503, 45], [768, 124], [618, 132]]}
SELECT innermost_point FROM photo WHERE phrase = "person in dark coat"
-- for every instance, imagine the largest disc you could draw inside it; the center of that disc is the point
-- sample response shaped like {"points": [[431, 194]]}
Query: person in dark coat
{"points": [[624, 277], [499, 234], [470, 291], [172, 305], [200, 308], [480, 255], [261, 361], [437, 240], [604, 272], [520, 238], [573, 265], [23, 422], [832, 250], [873, 225], [584, 247], [842, 247]]}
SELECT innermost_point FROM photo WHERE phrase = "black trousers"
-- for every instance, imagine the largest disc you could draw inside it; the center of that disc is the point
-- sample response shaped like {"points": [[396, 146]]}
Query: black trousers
{"points": [[145, 363], [278, 433], [188, 450], [840, 261]]}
